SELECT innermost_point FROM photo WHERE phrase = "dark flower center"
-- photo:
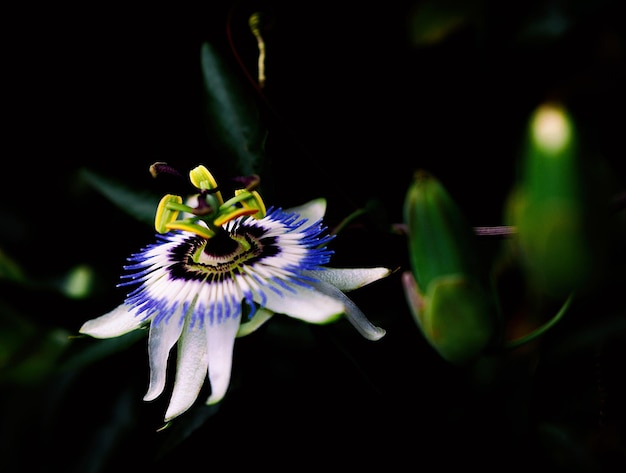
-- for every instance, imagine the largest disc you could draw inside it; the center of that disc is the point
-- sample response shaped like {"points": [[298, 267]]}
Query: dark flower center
{"points": [[200, 259]]}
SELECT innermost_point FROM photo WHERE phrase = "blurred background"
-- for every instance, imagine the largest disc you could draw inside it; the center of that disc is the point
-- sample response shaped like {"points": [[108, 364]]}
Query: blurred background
{"points": [[357, 98]]}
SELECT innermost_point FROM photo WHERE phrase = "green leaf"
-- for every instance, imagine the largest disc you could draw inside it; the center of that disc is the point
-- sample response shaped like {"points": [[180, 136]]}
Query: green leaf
{"points": [[93, 350], [140, 205], [233, 118], [28, 352], [10, 269], [183, 427], [434, 21]]}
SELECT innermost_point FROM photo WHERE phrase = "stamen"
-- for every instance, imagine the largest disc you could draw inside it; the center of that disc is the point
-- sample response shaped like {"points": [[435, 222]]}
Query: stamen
{"points": [[163, 168], [199, 230], [166, 212], [222, 219], [253, 202], [202, 179], [241, 195], [249, 182]]}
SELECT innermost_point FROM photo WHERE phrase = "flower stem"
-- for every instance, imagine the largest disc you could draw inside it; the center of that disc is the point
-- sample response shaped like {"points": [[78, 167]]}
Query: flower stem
{"points": [[543, 328], [357, 213]]}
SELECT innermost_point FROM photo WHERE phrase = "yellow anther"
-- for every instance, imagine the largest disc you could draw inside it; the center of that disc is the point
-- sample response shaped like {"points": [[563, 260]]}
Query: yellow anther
{"points": [[165, 214], [202, 179], [222, 219], [204, 232], [253, 202]]}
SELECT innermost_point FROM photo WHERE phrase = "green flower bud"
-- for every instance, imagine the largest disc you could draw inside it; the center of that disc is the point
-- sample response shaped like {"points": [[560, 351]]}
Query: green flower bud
{"points": [[440, 241], [455, 316], [553, 207], [445, 288]]}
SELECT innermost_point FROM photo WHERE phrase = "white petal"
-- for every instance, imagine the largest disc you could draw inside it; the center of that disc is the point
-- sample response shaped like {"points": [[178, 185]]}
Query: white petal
{"points": [[313, 211], [119, 321], [353, 313], [191, 370], [305, 304], [348, 279], [163, 336], [220, 342]]}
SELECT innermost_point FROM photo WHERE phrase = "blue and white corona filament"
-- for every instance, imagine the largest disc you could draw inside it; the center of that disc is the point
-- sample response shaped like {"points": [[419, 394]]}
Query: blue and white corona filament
{"points": [[219, 273]]}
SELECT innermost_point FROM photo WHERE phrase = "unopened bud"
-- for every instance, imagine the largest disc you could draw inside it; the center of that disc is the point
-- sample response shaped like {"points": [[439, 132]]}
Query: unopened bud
{"points": [[445, 289]]}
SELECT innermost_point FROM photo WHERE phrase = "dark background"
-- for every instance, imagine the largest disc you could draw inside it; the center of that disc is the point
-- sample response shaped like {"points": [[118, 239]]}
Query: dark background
{"points": [[356, 100]]}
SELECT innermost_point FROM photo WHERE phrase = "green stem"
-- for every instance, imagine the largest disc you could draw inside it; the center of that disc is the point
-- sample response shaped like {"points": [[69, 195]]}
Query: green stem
{"points": [[348, 219], [543, 328]]}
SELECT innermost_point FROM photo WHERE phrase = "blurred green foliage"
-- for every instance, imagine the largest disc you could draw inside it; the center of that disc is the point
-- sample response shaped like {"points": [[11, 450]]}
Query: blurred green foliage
{"points": [[356, 99], [559, 207]]}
